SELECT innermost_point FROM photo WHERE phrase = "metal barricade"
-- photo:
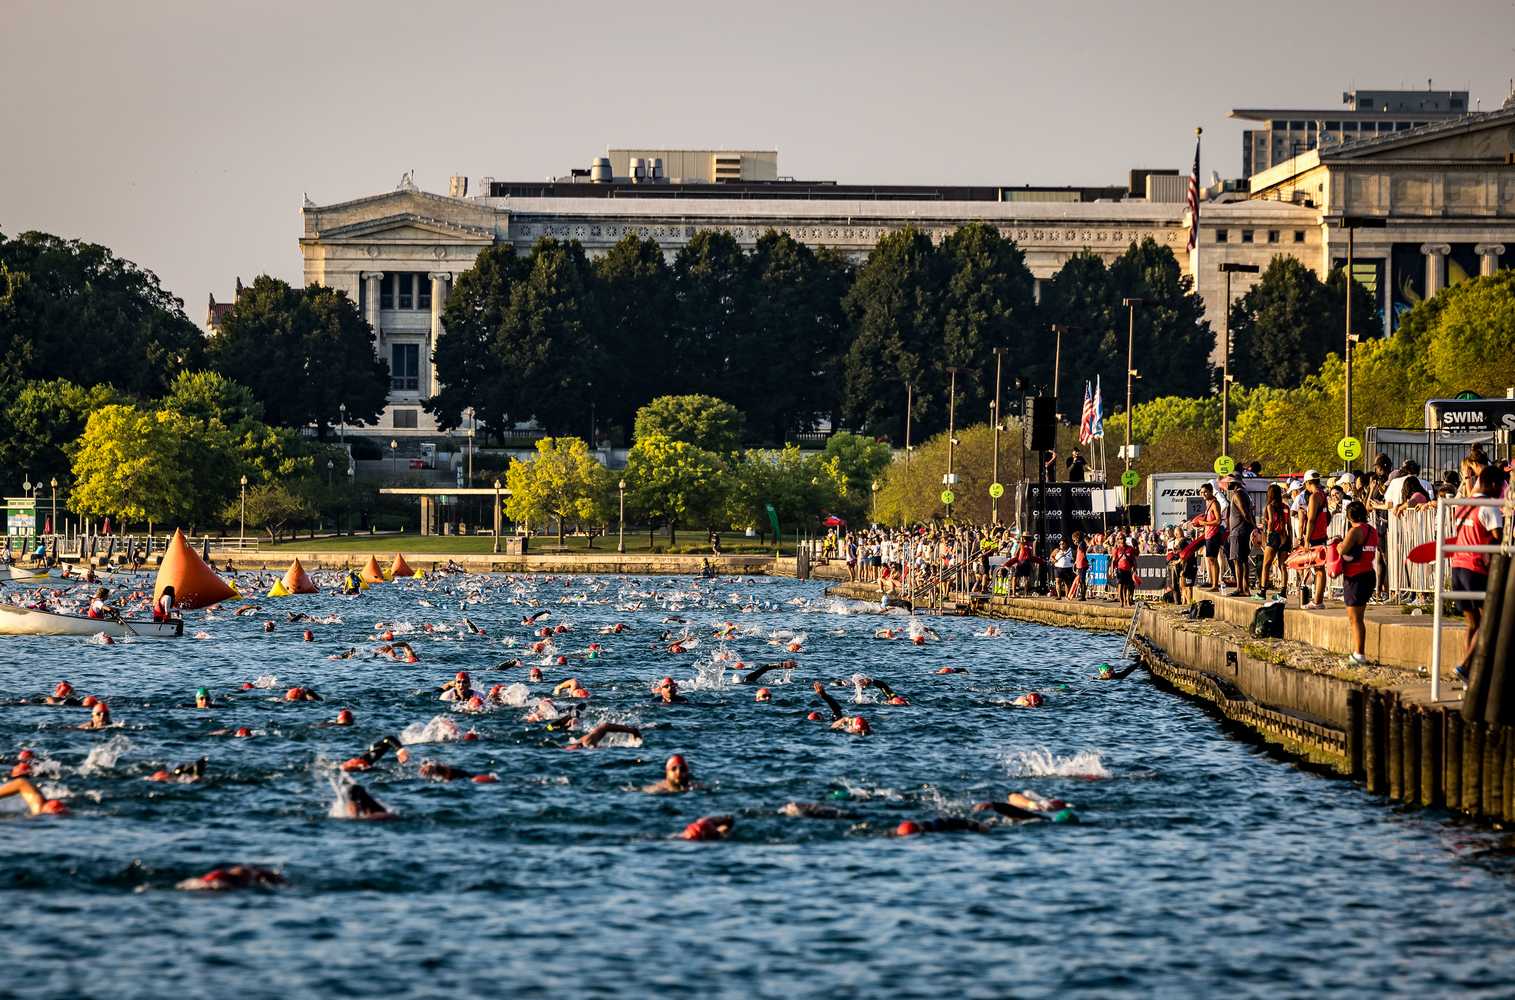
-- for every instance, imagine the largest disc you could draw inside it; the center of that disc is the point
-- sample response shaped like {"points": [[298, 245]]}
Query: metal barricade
{"points": [[1444, 547], [1408, 529]]}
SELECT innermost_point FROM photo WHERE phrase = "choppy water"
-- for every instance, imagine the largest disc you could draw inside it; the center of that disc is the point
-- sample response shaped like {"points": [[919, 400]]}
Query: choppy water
{"points": [[1200, 865]]}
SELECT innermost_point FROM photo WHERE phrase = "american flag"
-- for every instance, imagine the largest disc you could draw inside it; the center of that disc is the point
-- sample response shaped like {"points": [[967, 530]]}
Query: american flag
{"points": [[1086, 423], [1097, 429], [1194, 199]]}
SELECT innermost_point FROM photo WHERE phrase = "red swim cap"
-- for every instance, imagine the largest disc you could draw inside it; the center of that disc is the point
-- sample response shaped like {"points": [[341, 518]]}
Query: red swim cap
{"points": [[919, 640], [814, 717], [560, 629], [356, 764], [702, 829], [21, 770], [462, 675], [25, 755], [470, 735], [294, 694], [89, 701], [159, 776], [898, 700], [562, 661], [484, 779], [908, 828], [580, 692], [475, 702], [63, 690], [387, 635], [310, 636], [860, 726], [535, 675], [678, 759], [410, 656], [247, 685], [763, 694], [55, 807], [344, 717], [243, 731]]}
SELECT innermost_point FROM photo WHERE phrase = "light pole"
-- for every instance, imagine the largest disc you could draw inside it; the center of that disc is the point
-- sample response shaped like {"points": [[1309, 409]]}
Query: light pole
{"points": [[620, 545], [1130, 305], [994, 418], [1057, 361], [342, 421], [242, 522], [875, 501], [1228, 269], [947, 481], [1351, 223], [394, 459], [54, 485], [330, 465], [497, 517], [473, 426]]}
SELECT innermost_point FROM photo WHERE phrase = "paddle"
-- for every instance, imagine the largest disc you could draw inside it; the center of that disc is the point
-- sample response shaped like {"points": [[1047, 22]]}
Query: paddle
{"points": [[115, 616]]}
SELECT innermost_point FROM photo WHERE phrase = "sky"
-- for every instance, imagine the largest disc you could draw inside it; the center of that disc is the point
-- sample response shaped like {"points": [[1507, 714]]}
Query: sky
{"points": [[183, 135]]}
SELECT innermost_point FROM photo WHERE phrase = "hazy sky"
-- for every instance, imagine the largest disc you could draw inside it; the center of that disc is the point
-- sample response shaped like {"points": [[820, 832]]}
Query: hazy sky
{"points": [[183, 134]]}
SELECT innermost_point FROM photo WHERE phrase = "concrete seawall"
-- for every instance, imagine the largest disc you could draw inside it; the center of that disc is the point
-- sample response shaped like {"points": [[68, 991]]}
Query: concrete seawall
{"points": [[1374, 724], [631, 564]]}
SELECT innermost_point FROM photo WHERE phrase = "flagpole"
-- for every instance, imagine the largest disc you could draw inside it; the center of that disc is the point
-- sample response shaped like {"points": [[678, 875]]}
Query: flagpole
{"points": [[1194, 214]]}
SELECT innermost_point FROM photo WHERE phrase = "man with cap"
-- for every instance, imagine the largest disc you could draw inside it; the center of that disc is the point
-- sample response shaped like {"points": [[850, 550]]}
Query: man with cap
{"points": [[1314, 521]]}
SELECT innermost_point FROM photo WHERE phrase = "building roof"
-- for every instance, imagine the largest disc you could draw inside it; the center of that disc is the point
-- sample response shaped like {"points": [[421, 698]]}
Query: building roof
{"points": [[795, 191], [1476, 122]]}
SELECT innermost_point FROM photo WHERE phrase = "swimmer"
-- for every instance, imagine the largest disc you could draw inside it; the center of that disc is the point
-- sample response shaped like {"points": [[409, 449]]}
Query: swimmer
{"points": [[676, 778], [1030, 699], [708, 828], [752, 675], [814, 810], [667, 691], [378, 749], [853, 724], [357, 803], [183, 772], [99, 717], [885, 690], [232, 877], [437, 771], [506, 665], [36, 802], [951, 670], [346, 654], [763, 694], [63, 694], [592, 739], [301, 694], [942, 824], [1029, 806], [344, 718], [458, 689], [1109, 673], [573, 687], [533, 619], [202, 698], [888, 633]]}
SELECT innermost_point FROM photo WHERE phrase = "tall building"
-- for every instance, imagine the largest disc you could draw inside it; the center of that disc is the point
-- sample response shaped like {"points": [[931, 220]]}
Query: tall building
{"points": [[1284, 133]]}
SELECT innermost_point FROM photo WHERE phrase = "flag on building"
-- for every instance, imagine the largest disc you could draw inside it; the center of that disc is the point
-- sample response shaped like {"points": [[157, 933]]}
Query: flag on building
{"points": [[1097, 428], [1194, 199], [1086, 422]]}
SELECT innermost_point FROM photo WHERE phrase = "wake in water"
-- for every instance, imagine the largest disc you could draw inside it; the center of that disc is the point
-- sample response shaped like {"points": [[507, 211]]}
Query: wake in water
{"points": [[104, 756], [1043, 763], [440, 729]]}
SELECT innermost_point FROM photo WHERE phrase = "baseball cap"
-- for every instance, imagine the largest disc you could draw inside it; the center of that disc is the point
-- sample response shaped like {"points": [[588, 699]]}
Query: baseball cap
{"points": [[1311, 474]]}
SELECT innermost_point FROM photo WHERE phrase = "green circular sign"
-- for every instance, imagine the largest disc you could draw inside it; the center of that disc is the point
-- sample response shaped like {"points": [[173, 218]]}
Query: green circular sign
{"points": [[1225, 465], [996, 490], [948, 497], [1130, 478], [1349, 448]]}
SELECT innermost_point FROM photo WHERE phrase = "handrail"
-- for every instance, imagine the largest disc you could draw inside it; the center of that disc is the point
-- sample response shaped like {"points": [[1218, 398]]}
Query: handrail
{"points": [[1441, 594]]}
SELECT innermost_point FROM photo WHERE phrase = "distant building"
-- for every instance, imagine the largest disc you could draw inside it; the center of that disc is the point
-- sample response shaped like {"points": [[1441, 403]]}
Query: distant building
{"points": [[216, 312], [1365, 114]]}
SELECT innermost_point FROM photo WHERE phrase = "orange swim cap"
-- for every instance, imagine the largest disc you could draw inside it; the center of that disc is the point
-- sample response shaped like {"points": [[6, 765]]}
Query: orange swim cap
{"points": [[159, 776], [580, 692], [908, 828], [763, 694], [310, 636], [410, 656], [63, 690], [814, 717], [701, 829], [356, 764], [21, 770], [294, 694], [562, 661], [54, 807], [475, 702], [898, 700], [89, 701], [344, 717], [919, 640], [484, 779], [387, 635], [243, 731], [25, 755]]}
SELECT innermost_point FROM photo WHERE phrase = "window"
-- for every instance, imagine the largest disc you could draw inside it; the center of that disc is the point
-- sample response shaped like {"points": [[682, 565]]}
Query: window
{"points": [[1401, 126], [1278, 124], [1222, 235], [407, 284], [405, 419], [1299, 236], [387, 292], [423, 291], [1246, 236], [1272, 236], [404, 367], [1297, 126], [1333, 126], [1456, 104]]}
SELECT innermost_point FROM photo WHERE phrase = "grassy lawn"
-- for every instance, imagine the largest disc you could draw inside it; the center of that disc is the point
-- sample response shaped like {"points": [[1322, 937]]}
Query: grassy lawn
{"points": [[689, 541]]}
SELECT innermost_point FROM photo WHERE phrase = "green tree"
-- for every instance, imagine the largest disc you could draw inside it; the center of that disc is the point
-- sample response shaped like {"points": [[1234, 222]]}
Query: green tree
{"points": [[546, 343], [1471, 342], [799, 485], [671, 483], [1286, 324], [713, 297], [854, 463], [303, 353], [634, 346], [1173, 340], [42, 420], [1082, 298], [272, 507], [470, 356], [131, 464], [701, 421], [74, 310], [895, 308], [989, 303], [563, 481]]}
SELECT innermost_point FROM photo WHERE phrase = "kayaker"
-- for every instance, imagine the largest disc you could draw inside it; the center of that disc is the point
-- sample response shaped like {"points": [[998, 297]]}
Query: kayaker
{"points": [[163, 607]]}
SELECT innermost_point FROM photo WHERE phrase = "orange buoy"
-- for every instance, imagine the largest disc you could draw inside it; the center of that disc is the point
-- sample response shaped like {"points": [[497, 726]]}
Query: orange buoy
{"points": [[297, 581], [400, 568], [195, 584], [372, 573]]}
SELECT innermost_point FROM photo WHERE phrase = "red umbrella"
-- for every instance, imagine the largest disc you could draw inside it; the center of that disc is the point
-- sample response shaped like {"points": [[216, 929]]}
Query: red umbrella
{"points": [[833, 522], [47, 526], [106, 529]]}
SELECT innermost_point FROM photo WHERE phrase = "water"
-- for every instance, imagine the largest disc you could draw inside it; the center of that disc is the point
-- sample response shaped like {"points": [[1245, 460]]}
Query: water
{"points": [[1201, 863]]}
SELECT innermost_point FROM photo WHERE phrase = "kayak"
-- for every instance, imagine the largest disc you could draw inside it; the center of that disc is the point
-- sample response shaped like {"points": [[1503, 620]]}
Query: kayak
{"points": [[30, 621], [18, 574]]}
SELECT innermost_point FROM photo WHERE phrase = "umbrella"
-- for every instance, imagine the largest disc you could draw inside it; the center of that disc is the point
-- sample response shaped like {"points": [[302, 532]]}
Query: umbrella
{"points": [[106, 529], [833, 522]]}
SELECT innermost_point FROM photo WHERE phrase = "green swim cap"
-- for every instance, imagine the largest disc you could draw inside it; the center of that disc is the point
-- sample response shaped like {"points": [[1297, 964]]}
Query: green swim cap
{"points": [[840, 793], [1064, 816], [202, 693]]}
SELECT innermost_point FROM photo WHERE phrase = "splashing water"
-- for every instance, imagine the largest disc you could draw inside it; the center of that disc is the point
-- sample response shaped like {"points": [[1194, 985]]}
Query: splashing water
{"points": [[440, 729], [104, 756], [708, 675], [265, 681], [1043, 763], [516, 695]]}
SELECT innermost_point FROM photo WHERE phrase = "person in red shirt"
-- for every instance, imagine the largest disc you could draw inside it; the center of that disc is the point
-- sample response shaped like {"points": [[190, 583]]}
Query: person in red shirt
{"points": [[1359, 553], [1470, 570], [1123, 561]]}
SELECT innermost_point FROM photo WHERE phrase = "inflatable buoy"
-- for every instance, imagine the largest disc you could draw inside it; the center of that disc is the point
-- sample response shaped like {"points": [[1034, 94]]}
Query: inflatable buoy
{"points": [[372, 573], [1306, 557], [400, 568], [278, 589], [195, 584], [297, 581]]}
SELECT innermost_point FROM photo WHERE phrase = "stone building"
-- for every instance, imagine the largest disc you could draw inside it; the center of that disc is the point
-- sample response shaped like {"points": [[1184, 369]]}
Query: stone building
{"points": [[1430, 205]]}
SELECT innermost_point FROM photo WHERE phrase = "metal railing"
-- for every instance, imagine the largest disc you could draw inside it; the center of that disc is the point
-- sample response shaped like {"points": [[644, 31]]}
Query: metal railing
{"points": [[1443, 548]]}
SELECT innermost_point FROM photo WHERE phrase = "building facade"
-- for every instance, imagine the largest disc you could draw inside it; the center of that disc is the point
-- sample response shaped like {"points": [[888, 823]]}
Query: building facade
{"points": [[1440, 199]]}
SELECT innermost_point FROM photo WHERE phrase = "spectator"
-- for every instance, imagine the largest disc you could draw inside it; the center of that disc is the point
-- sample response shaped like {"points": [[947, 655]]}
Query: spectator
{"points": [[1240, 522]]}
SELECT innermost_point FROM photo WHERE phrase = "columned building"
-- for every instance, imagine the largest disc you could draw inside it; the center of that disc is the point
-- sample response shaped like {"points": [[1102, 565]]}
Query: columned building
{"points": [[1427, 206]]}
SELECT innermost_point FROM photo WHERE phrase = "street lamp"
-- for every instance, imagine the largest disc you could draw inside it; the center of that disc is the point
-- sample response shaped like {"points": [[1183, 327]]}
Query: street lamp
{"points": [[394, 459], [994, 418], [620, 545], [1130, 304], [242, 524], [497, 517], [949, 480], [473, 427], [330, 465], [1228, 269], [1351, 223], [1057, 359], [54, 485], [875, 501]]}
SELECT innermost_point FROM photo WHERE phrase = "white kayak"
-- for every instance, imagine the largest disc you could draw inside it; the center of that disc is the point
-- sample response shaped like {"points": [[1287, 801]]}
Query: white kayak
{"points": [[19, 574], [30, 621]]}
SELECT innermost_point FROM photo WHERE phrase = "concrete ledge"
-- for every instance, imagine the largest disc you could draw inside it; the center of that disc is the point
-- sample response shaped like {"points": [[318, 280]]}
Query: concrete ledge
{"points": [[1394, 638]]}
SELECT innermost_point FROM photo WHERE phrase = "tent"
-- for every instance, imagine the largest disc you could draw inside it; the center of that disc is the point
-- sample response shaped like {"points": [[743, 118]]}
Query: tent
{"points": [[195, 584]]}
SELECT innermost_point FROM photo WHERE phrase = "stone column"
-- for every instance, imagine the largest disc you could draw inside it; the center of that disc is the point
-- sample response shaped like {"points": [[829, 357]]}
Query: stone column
{"points": [[371, 281], [1436, 266], [440, 282], [1488, 257]]}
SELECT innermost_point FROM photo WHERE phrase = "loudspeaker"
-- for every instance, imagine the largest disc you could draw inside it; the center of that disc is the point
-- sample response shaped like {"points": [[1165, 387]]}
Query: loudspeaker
{"points": [[1041, 424]]}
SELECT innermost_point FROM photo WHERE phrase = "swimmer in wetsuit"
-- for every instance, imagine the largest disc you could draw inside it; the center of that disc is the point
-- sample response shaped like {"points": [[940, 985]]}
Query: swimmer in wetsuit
{"points": [[942, 824], [459, 688], [63, 694], [183, 773], [301, 694], [676, 778], [592, 738], [752, 675], [708, 828], [854, 724], [1029, 806], [885, 690], [437, 771], [99, 717], [1109, 673], [814, 810], [357, 803], [36, 802], [667, 691], [950, 670], [233, 877], [380, 747]]}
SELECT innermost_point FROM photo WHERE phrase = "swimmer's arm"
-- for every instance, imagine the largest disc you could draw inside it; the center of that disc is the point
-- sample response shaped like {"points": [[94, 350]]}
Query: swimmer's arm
{"points": [[28, 792], [1123, 674], [753, 675], [836, 710], [567, 685], [598, 733], [885, 689]]}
